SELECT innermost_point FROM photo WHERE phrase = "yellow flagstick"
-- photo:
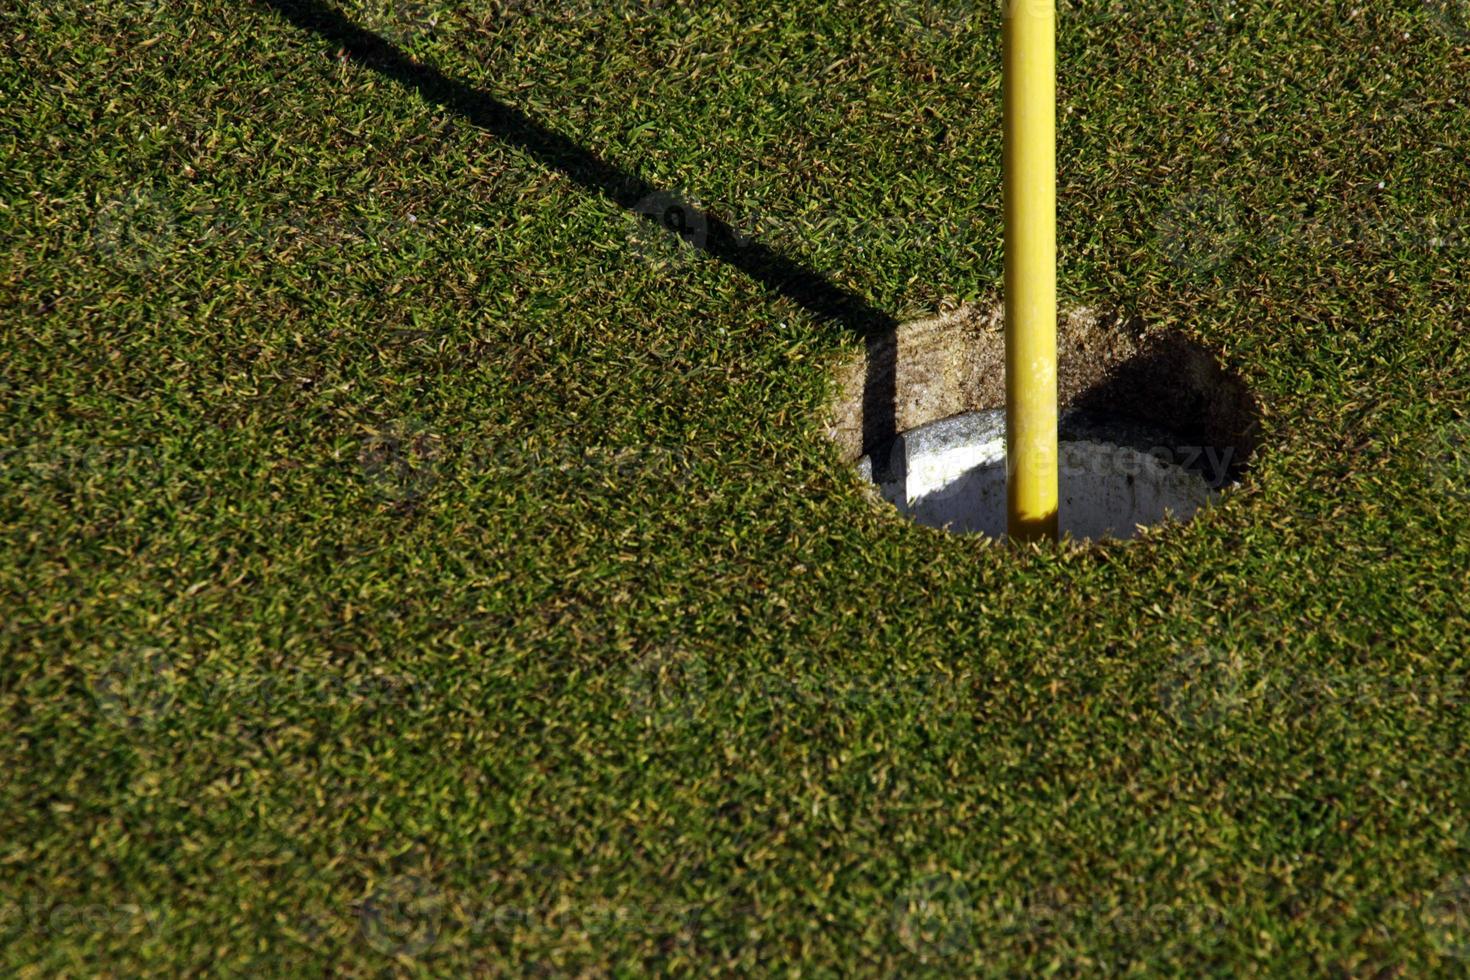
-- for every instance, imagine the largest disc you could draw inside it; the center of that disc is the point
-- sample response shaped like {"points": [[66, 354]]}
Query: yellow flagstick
{"points": [[1030, 175]]}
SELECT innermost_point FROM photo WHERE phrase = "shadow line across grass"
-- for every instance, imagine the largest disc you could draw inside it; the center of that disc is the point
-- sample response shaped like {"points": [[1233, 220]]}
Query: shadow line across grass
{"points": [[715, 236]]}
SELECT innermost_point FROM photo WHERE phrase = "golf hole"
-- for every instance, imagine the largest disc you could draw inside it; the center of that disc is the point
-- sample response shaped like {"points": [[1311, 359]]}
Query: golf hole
{"points": [[1153, 427]]}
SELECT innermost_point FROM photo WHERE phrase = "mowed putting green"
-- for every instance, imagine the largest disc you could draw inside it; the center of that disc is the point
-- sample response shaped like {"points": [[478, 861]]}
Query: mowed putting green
{"points": [[418, 558]]}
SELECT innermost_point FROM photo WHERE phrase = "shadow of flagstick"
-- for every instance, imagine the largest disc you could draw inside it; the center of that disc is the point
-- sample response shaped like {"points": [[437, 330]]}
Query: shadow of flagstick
{"points": [[781, 275]]}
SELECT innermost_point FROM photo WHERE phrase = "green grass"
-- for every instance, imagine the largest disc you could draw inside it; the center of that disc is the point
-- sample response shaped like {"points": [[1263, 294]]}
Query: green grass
{"points": [[411, 563]]}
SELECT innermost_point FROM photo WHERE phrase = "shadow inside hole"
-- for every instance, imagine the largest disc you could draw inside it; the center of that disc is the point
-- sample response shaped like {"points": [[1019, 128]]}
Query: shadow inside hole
{"points": [[1180, 395], [1155, 438]]}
